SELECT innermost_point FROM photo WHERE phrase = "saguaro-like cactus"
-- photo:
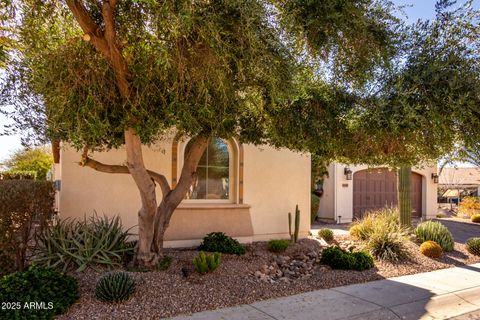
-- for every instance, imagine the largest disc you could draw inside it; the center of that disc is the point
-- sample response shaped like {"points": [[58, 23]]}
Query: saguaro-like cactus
{"points": [[297, 223], [404, 196], [294, 235], [290, 226]]}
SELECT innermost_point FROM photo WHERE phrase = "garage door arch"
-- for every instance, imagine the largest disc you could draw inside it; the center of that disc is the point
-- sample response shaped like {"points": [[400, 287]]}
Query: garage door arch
{"points": [[377, 188]]}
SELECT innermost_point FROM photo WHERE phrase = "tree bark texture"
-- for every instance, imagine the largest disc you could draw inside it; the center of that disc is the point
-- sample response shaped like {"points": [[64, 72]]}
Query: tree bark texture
{"points": [[404, 196]]}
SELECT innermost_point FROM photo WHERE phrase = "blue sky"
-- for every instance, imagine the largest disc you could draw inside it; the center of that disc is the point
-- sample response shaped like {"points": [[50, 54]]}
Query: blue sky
{"points": [[415, 9]]}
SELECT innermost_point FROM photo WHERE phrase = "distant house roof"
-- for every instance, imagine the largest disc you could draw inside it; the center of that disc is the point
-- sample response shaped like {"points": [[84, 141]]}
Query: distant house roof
{"points": [[460, 177], [452, 193]]}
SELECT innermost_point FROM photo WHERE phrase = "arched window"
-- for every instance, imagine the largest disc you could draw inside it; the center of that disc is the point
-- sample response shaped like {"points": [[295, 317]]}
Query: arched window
{"points": [[213, 176]]}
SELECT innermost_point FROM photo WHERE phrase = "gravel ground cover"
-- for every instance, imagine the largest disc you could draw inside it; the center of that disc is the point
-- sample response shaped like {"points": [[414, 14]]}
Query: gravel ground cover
{"points": [[243, 279]]}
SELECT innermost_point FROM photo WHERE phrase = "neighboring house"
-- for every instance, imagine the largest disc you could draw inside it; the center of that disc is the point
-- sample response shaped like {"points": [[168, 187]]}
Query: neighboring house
{"points": [[350, 191], [459, 181], [242, 190]]}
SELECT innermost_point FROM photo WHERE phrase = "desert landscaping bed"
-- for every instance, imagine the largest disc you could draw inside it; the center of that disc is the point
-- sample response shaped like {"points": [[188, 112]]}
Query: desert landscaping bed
{"points": [[257, 275]]}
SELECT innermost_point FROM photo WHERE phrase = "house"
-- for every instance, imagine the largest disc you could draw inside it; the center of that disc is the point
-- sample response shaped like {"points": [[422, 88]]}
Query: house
{"points": [[243, 190], [455, 182], [350, 191]]}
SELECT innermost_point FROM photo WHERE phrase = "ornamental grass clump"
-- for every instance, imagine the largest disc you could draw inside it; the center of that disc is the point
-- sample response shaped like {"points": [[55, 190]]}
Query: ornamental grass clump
{"points": [[389, 218], [84, 243], [326, 234], [473, 246], [382, 234], [435, 231], [431, 249], [115, 287]]}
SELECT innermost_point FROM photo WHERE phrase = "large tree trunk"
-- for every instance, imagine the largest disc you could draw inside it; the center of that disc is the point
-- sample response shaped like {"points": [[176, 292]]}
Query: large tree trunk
{"points": [[152, 221], [146, 255], [171, 200], [404, 196]]}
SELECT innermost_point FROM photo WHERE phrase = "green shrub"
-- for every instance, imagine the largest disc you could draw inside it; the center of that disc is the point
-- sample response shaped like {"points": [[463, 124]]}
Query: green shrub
{"points": [[278, 245], [53, 291], [473, 246], [431, 249], [84, 243], [314, 205], [115, 287], [325, 234], [25, 209], [363, 260], [220, 242], [338, 258], [206, 263], [18, 175], [435, 231], [475, 218]]}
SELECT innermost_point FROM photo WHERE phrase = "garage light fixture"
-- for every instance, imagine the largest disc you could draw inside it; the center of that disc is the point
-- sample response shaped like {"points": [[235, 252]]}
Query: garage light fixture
{"points": [[348, 173], [435, 177]]}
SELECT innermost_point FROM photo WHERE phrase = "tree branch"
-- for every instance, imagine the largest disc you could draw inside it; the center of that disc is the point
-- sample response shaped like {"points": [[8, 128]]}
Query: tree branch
{"points": [[111, 168], [88, 26], [115, 56]]}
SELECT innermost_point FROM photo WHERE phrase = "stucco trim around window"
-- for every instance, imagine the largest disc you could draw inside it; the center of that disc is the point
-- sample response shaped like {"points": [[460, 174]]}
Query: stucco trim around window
{"points": [[237, 164]]}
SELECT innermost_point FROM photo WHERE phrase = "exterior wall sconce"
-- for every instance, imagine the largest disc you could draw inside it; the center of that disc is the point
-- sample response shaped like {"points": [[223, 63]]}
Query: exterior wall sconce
{"points": [[435, 177], [348, 173]]}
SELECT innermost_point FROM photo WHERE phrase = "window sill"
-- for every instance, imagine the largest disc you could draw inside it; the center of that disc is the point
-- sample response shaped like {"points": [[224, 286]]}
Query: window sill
{"points": [[213, 206]]}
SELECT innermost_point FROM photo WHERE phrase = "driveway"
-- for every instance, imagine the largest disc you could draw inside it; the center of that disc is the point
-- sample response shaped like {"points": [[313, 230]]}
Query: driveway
{"points": [[461, 231]]}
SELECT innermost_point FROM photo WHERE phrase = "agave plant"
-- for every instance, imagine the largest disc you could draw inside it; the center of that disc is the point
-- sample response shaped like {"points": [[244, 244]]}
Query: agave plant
{"points": [[83, 243], [115, 287]]}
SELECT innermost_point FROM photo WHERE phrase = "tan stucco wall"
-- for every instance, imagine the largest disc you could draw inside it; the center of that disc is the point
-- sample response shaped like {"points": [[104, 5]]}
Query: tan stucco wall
{"points": [[338, 192], [327, 200], [274, 181]]}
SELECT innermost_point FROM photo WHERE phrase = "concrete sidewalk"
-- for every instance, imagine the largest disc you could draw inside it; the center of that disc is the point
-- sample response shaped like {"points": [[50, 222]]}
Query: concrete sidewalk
{"points": [[442, 294]]}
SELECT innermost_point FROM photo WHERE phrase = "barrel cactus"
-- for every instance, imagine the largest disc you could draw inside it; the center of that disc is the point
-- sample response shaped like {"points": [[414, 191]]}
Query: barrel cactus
{"points": [[431, 249], [115, 287], [435, 231], [473, 246]]}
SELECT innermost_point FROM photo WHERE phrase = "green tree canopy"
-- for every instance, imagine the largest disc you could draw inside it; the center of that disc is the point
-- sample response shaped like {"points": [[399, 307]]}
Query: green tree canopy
{"points": [[417, 110], [37, 159], [107, 73]]}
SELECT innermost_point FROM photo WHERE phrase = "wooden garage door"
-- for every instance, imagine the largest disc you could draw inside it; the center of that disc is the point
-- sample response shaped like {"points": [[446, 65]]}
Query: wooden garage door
{"points": [[377, 188]]}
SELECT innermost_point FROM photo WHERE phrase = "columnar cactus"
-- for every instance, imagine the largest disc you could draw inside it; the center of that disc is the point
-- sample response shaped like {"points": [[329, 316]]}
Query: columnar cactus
{"points": [[404, 199], [294, 235]]}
